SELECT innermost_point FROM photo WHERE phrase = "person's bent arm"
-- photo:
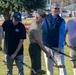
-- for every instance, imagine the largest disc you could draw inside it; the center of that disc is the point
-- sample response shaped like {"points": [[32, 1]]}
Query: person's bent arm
{"points": [[43, 48], [37, 37], [18, 48], [22, 37], [61, 34]]}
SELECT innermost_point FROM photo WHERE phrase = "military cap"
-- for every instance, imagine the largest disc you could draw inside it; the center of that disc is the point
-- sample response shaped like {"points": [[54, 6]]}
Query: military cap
{"points": [[41, 13]]}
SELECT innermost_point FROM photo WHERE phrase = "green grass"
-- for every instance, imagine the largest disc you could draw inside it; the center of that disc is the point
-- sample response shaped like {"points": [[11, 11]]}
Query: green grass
{"points": [[24, 21], [27, 61]]}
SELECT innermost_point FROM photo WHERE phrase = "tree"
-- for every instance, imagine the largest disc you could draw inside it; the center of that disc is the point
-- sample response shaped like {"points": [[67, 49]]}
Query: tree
{"points": [[34, 4], [62, 3], [8, 6]]}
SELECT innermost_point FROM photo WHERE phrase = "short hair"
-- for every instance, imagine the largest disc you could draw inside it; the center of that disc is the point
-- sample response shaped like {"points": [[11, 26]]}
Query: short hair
{"points": [[54, 4]]}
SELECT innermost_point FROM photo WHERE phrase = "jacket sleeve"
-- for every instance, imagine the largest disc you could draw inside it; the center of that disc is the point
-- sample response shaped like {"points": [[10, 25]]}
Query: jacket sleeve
{"points": [[61, 34]]}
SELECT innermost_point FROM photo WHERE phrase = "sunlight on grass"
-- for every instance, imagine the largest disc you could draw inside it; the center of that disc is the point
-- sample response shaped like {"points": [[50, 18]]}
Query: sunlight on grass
{"points": [[27, 61]]}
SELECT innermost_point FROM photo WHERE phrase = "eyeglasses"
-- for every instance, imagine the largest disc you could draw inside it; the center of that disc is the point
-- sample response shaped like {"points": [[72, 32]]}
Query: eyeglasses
{"points": [[57, 8]]}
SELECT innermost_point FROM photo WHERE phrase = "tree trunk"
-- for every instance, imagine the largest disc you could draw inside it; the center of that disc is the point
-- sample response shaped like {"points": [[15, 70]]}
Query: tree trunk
{"points": [[6, 14]]}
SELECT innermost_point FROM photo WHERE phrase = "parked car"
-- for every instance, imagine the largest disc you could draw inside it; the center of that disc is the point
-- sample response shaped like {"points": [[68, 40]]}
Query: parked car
{"points": [[64, 13], [29, 16], [23, 15]]}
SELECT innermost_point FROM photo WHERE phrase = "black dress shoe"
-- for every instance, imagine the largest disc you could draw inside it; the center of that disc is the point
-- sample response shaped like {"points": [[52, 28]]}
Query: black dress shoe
{"points": [[41, 71]]}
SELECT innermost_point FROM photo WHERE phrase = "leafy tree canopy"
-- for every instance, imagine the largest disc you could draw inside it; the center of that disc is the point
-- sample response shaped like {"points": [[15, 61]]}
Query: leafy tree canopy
{"points": [[8, 6]]}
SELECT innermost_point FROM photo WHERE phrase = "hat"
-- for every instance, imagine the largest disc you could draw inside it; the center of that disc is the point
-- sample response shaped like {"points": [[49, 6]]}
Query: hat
{"points": [[41, 13], [17, 16]]}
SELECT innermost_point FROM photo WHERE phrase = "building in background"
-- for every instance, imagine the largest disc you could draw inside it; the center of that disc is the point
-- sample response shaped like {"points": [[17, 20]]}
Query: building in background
{"points": [[48, 4], [71, 8]]}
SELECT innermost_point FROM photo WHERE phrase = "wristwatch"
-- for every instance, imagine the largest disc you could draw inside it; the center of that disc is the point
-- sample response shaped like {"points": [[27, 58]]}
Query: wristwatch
{"points": [[15, 52]]}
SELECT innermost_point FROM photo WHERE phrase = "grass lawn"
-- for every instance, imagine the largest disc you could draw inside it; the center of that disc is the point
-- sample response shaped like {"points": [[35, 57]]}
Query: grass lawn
{"points": [[27, 61]]}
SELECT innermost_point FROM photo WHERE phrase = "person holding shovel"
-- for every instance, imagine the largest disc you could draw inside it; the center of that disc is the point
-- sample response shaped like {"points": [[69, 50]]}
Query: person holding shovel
{"points": [[71, 31], [35, 39], [15, 33], [53, 28]]}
